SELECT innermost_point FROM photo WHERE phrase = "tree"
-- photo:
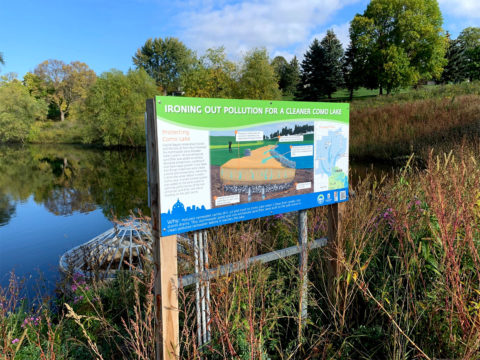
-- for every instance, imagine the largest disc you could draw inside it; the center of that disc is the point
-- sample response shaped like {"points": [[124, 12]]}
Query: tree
{"points": [[115, 106], [18, 111], [2, 60], [165, 61], [456, 69], [311, 85], [403, 42], [288, 74], [473, 66], [257, 77], [469, 38], [65, 84], [211, 76], [291, 77], [333, 51]]}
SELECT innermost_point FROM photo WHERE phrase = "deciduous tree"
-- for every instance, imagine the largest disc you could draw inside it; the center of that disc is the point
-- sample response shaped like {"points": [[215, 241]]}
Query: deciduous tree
{"points": [[65, 83], [469, 38], [403, 41], [18, 111], [165, 60], [115, 107], [213, 75], [257, 77]]}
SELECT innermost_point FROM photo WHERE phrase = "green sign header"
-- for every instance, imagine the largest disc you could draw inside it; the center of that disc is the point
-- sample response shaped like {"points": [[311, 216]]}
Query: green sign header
{"points": [[223, 114]]}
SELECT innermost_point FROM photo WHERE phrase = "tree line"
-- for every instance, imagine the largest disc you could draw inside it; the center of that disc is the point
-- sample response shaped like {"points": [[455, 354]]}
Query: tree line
{"points": [[393, 44]]}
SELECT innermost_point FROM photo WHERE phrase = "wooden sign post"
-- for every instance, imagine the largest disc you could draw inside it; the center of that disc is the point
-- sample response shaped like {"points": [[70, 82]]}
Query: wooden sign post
{"points": [[164, 255]]}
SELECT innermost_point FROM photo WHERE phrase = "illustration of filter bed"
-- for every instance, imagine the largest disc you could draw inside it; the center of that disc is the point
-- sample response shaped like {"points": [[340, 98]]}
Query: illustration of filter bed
{"points": [[262, 170]]}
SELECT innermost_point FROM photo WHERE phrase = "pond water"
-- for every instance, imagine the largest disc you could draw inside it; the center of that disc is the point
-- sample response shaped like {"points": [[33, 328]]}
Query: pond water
{"points": [[53, 198]]}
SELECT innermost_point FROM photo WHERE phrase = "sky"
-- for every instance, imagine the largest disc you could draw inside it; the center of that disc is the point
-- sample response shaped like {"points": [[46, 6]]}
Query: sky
{"points": [[105, 34]]}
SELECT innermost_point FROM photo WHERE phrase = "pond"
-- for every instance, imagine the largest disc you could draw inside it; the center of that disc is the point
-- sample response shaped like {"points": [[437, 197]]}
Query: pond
{"points": [[53, 198]]}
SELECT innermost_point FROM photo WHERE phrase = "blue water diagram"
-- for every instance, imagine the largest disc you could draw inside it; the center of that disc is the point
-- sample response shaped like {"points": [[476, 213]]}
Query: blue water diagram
{"points": [[331, 157]]}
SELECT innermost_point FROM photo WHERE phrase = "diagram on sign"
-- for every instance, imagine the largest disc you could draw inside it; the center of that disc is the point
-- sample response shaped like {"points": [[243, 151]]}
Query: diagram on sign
{"points": [[262, 162], [331, 156]]}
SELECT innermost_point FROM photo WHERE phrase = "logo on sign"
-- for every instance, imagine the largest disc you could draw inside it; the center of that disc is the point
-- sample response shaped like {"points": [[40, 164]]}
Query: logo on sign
{"points": [[321, 199]]}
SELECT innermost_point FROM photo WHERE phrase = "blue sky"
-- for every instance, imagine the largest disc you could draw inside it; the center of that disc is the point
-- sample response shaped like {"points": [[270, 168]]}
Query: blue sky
{"points": [[105, 34]]}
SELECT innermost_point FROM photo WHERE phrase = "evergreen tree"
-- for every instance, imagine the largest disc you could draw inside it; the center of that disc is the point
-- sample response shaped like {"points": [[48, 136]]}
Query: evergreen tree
{"points": [[311, 85], [456, 69], [333, 77], [292, 77]]}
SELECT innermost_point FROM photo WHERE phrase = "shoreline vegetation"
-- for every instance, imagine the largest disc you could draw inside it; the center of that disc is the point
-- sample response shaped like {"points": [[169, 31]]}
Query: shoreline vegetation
{"points": [[383, 128]]}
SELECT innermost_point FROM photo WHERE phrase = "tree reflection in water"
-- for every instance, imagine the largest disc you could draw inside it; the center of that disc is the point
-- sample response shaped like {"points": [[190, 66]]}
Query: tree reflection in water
{"points": [[68, 179]]}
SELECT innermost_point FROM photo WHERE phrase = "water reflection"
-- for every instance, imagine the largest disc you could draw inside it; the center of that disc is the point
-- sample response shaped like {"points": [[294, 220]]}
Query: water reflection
{"points": [[7, 209], [69, 179]]}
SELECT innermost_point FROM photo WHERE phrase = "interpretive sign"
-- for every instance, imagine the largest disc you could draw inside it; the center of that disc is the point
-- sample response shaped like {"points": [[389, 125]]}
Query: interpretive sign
{"points": [[222, 161]]}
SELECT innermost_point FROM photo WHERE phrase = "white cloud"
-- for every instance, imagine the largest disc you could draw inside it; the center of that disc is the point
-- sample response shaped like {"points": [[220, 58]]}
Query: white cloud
{"points": [[469, 9], [278, 25]]}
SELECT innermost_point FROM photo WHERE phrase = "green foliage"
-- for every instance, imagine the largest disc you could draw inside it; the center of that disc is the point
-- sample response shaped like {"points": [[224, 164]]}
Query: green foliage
{"points": [[211, 76], [62, 84], [333, 78], [257, 77], [288, 74], [456, 69], [165, 60], [321, 69], [399, 42], [18, 111], [311, 81], [114, 108]]}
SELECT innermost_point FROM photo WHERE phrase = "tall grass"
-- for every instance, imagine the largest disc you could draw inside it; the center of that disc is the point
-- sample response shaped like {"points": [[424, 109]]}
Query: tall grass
{"points": [[410, 286], [399, 129]]}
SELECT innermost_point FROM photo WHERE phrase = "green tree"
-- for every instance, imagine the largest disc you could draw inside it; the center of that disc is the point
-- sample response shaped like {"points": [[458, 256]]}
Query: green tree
{"points": [[456, 69], [291, 77], [473, 66], [165, 60], [65, 84], [405, 42], [2, 60], [18, 111], [213, 75], [469, 38], [288, 74], [332, 67], [311, 85], [115, 106], [257, 77]]}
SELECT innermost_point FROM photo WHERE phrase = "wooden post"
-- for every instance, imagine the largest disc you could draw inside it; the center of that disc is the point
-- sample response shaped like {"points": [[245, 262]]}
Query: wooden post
{"points": [[164, 255], [169, 297], [303, 262], [335, 244]]}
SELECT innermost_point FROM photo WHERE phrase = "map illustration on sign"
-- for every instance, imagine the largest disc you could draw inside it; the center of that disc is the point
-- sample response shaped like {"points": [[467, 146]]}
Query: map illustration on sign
{"points": [[223, 161]]}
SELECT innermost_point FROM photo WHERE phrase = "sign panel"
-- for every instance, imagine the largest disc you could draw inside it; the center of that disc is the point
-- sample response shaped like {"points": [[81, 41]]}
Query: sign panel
{"points": [[223, 161]]}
